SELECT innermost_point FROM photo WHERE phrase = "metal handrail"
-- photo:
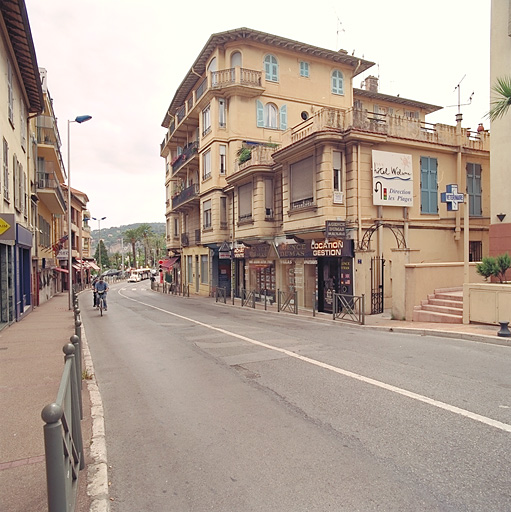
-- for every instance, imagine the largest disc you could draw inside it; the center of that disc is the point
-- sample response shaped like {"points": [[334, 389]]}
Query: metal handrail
{"points": [[221, 294], [63, 441], [248, 297]]}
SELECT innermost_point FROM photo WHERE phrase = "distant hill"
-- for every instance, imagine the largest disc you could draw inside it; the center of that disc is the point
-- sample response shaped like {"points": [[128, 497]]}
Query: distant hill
{"points": [[112, 236]]}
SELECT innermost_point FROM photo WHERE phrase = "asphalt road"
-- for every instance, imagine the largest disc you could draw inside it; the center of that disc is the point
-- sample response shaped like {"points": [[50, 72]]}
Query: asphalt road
{"points": [[214, 407]]}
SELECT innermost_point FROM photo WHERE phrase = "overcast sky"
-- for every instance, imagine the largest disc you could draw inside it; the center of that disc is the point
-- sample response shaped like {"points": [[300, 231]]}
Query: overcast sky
{"points": [[120, 61]]}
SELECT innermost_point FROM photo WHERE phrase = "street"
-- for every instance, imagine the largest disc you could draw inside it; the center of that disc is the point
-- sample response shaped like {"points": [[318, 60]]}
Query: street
{"points": [[215, 407]]}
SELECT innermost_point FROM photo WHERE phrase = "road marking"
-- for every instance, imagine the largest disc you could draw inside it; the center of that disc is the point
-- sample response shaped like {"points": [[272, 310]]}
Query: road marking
{"points": [[389, 387]]}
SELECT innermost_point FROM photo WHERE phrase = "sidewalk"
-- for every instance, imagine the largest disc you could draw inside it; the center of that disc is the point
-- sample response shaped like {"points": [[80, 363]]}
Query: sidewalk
{"points": [[31, 366]]}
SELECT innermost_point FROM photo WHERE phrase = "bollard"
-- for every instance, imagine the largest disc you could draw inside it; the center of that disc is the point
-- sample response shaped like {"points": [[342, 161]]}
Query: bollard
{"points": [[55, 465], [504, 330], [77, 343]]}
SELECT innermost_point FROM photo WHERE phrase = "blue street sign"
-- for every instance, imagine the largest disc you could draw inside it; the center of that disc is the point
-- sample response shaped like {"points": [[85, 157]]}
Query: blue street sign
{"points": [[452, 198]]}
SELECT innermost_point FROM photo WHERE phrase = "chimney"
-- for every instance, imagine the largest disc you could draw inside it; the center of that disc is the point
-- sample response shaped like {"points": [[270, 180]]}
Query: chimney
{"points": [[371, 84]]}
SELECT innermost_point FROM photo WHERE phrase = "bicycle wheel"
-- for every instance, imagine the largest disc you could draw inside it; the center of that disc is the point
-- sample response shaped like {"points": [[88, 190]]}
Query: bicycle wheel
{"points": [[101, 306]]}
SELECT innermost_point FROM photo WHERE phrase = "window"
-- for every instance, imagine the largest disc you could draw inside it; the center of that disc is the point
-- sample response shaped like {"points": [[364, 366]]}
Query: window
{"points": [[474, 189], [223, 158], [429, 186], [23, 125], [6, 170], [221, 113], [212, 69], [269, 116], [245, 202], [412, 114], [206, 120], [268, 198], [16, 179], [223, 213], [302, 184], [235, 59], [204, 269], [176, 227], [271, 68], [304, 69], [337, 82], [475, 251], [206, 214], [206, 165], [10, 93], [337, 162], [189, 265], [357, 105]]}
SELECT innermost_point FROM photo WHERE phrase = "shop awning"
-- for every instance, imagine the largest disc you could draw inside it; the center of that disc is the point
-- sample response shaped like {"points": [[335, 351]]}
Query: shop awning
{"points": [[93, 266], [168, 264], [76, 266], [60, 269]]}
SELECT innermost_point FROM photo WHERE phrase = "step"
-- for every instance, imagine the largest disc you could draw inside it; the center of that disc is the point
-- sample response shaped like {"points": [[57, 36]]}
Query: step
{"points": [[458, 297], [446, 303], [433, 317], [443, 309]]}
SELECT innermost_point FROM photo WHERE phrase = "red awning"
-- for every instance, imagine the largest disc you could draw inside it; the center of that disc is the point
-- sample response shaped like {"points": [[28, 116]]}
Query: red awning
{"points": [[59, 269], [168, 264], [76, 266], [93, 265]]}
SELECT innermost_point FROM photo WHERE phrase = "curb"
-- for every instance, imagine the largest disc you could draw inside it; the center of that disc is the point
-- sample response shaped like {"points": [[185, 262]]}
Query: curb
{"points": [[97, 472]]}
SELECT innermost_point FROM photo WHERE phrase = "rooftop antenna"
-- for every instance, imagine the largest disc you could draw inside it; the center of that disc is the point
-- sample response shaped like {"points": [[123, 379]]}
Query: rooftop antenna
{"points": [[339, 30], [459, 115]]}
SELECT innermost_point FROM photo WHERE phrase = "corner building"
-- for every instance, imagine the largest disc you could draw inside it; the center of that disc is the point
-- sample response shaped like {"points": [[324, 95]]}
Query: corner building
{"points": [[280, 175]]}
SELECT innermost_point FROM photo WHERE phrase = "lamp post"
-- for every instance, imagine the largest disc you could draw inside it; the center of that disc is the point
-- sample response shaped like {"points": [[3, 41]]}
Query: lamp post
{"points": [[99, 219], [79, 120]]}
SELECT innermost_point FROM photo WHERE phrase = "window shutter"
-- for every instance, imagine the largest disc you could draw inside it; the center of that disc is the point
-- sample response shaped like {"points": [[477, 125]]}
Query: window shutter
{"points": [[245, 201], [283, 117], [260, 114], [302, 186]]}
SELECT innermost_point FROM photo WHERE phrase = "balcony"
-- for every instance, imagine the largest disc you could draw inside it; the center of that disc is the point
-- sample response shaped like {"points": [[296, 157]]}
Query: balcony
{"points": [[187, 196], [230, 82], [363, 121], [189, 152], [50, 192], [260, 160]]}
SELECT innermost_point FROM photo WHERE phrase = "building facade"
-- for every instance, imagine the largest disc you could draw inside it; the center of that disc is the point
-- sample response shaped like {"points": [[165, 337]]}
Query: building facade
{"points": [[21, 99], [500, 66], [282, 176]]}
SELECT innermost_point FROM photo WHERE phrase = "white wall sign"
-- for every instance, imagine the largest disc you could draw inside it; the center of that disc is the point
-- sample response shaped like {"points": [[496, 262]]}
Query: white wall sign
{"points": [[392, 179]]}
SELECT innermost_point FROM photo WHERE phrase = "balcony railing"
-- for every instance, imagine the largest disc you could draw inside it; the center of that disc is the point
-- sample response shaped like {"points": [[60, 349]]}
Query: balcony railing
{"points": [[48, 181], [187, 194], [188, 153], [329, 119]]}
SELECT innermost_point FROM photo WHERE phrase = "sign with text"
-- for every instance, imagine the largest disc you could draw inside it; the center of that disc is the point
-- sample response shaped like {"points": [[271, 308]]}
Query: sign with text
{"points": [[392, 179], [316, 248], [335, 229]]}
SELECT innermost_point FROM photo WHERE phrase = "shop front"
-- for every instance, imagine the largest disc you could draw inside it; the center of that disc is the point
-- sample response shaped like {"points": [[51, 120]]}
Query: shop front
{"points": [[316, 269]]}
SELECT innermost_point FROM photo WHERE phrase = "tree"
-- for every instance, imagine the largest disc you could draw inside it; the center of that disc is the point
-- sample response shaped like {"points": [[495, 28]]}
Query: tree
{"points": [[500, 105], [132, 236], [104, 260], [495, 267], [145, 231]]}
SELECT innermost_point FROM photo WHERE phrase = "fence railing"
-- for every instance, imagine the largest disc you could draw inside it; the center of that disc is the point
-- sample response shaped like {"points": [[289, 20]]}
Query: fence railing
{"points": [[349, 308], [248, 297], [287, 301], [63, 442], [221, 294]]}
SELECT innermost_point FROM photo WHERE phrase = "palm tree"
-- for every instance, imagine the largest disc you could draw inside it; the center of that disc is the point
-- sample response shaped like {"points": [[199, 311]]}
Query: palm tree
{"points": [[145, 231], [132, 236], [502, 101]]}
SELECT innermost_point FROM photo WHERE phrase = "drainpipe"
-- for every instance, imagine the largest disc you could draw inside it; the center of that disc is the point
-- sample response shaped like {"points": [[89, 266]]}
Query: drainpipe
{"points": [[359, 205]]}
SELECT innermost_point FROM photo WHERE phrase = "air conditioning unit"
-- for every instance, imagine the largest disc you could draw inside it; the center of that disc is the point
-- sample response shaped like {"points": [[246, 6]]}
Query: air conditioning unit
{"points": [[338, 197]]}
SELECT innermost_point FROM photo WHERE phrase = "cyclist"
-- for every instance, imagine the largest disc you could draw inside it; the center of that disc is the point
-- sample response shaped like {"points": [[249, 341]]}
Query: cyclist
{"points": [[94, 293], [101, 286]]}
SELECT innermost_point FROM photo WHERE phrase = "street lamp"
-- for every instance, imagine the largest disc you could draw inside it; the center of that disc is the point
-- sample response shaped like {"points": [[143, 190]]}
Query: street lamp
{"points": [[99, 219], [79, 120]]}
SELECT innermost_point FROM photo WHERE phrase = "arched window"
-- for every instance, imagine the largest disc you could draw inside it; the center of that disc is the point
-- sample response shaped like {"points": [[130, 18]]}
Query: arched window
{"points": [[337, 82], [271, 114], [235, 59], [271, 68], [211, 69]]}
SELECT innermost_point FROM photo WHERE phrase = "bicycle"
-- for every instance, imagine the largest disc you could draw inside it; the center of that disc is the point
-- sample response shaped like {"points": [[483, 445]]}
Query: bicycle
{"points": [[101, 302]]}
